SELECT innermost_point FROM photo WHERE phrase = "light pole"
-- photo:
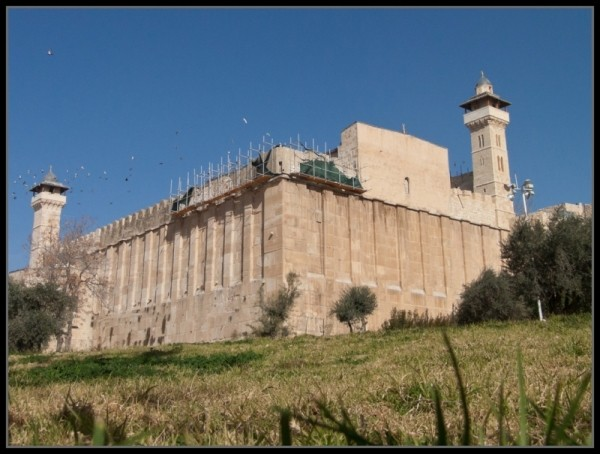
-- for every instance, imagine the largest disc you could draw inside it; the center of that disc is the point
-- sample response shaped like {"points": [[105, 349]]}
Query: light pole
{"points": [[526, 191]]}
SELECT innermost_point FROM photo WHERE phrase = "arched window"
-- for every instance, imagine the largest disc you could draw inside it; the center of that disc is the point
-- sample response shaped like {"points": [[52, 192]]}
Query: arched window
{"points": [[406, 185]]}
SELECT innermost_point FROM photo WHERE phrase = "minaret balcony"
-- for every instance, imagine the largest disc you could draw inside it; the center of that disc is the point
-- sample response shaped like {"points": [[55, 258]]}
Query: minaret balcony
{"points": [[487, 111]]}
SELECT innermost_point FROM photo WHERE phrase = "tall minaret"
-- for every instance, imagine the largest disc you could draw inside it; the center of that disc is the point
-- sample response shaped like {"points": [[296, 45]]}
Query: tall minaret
{"points": [[47, 203], [486, 117]]}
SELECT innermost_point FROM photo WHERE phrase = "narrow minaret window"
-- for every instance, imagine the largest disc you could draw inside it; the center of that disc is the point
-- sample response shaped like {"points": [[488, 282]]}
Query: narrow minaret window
{"points": [[406, 185]]}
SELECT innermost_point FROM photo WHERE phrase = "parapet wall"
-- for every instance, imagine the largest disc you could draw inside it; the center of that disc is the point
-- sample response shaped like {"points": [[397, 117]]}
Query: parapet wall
{"points": [[137, 223]]}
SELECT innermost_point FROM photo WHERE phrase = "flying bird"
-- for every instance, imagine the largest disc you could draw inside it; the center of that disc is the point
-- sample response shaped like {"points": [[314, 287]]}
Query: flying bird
{"points": [[244, 120], [50, 52]]}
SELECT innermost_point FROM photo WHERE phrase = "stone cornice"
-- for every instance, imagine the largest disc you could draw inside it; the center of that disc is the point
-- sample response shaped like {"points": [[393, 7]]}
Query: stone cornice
{"points": [[481, 123]]}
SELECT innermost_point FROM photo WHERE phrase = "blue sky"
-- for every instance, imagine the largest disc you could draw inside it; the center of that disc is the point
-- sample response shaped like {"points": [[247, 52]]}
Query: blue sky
{"points": [[149, 95]]}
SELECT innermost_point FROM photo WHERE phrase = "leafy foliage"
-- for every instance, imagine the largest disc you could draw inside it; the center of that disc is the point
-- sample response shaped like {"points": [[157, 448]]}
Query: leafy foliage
{"points": [[552, 263], [401, 319], [276, 310], [522, 253], [567, 277], [489, 298], [355, 304], [35, 314], [69, 264]]}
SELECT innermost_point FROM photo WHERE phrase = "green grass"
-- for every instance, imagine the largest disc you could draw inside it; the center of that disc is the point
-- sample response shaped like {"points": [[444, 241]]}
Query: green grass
{"points": [[150, 363], [523, 383]]}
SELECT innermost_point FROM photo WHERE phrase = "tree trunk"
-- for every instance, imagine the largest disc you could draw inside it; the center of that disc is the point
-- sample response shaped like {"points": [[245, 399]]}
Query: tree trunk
{"points": [[363, 325], [68, 336], [59, 342]]}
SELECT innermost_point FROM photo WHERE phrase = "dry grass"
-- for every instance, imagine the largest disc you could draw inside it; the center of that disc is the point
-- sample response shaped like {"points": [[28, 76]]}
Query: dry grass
{"points": [[234, 393]]}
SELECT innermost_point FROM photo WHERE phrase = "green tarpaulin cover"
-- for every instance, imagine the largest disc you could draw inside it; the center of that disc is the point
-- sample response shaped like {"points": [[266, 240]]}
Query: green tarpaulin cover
{"points": [[328, 171]]}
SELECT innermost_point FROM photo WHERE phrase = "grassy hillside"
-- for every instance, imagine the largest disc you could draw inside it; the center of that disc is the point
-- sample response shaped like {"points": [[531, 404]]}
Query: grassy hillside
{"points": [[399, 387]]}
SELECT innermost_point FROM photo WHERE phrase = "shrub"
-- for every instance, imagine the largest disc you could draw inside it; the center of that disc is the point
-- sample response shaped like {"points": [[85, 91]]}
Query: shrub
{"points": [[400, 319], [355, 304], [489, 298], [276, 310], [35, 314]]}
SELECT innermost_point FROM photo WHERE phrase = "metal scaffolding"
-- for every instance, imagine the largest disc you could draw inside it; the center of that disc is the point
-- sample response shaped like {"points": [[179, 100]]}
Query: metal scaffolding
{"points": [[254, 166]]}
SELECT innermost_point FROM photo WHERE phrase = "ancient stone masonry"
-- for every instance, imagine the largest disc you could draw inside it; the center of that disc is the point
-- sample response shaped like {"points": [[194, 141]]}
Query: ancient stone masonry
{"points": [[379, 210]]}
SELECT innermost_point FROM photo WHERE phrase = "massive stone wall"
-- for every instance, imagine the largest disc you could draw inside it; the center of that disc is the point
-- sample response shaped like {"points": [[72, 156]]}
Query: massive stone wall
{"points": [[412, 259], [186, 279], [196, 278]]}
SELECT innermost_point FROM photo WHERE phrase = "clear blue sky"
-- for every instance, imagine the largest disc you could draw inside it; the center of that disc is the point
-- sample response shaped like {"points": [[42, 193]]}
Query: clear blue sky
{"points": [[148, 95]]}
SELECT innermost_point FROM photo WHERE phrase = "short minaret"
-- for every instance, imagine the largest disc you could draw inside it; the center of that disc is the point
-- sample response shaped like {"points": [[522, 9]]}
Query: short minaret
{"points": [[486, 117], [47, 203]]}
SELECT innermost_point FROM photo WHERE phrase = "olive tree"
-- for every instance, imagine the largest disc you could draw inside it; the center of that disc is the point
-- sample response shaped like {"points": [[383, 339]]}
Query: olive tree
{"points": [[354, 305]]}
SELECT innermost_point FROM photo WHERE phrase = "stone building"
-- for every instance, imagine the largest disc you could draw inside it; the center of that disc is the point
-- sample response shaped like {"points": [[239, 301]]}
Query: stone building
{"points": [[380, 210], [568, 209]]}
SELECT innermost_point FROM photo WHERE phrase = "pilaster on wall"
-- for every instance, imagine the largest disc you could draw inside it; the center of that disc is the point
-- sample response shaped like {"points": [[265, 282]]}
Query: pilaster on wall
{"points": [[248, 243], [434, 273], [212, 244], [413, 260], [274, 265], [472, 250], [134, 281], [151, 240], [165, 262], [336, 236], [363, 260]]}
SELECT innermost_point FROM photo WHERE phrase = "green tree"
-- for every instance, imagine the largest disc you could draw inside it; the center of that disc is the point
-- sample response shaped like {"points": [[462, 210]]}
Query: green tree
{"points": [[489, 297], [35, 314], [72, 264], [355, 304], [523, 256], [552, 263], [567, 277], [276, 310]]}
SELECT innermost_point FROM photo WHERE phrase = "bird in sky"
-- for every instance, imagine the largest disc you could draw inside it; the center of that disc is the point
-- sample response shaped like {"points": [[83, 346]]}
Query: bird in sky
{"points": [[244, 120], [50, 52]]}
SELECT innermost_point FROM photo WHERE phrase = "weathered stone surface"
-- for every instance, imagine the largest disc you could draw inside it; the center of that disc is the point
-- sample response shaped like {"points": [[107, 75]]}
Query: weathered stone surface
{"points": [[195, 276]]}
